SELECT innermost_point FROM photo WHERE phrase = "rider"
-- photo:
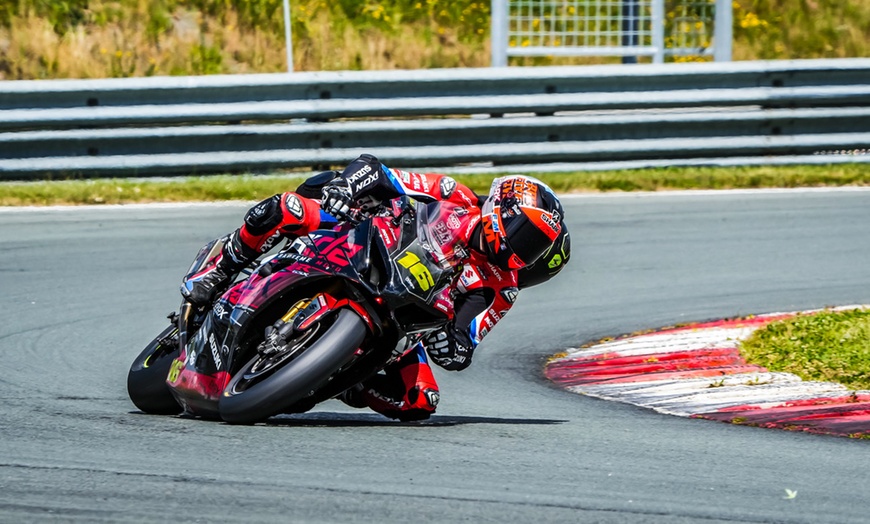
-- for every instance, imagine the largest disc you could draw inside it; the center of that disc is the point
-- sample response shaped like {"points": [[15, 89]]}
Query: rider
{"points": [[517, 239]]}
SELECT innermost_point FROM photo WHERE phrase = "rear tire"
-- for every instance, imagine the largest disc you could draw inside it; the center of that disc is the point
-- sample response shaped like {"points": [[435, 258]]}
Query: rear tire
{"points": [[146, 381], [247, 399]]}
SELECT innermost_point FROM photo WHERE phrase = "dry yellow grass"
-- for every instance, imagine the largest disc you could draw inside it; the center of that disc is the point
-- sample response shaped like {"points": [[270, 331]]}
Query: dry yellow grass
{"points": [[129, 38], [197, 43]]}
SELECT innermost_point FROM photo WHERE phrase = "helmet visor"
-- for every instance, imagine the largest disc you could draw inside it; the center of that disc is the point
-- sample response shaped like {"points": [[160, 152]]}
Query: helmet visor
{"points": [[525, 238]]}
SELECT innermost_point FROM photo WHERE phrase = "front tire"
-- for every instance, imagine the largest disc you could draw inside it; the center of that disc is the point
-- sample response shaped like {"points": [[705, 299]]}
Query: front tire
{"points": [[249, 398], [146, 381]]}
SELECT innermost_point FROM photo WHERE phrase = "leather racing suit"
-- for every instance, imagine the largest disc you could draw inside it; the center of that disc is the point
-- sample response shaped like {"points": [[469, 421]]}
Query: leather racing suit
{"points": [[407, 389]]}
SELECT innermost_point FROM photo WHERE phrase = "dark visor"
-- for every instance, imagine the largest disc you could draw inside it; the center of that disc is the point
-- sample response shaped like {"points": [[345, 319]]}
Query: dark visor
{"points": [[524, 238]]}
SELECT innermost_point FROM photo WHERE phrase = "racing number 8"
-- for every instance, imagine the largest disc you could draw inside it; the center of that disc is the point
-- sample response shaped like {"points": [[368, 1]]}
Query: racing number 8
{"points": [[420, 272]]}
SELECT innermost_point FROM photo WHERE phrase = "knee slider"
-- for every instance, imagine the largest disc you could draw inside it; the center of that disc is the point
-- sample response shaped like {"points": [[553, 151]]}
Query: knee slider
{"points": [[265, 216]]}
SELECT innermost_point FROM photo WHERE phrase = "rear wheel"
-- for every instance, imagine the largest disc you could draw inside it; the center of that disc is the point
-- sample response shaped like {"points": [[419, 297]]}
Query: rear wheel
{"points": [[146, 381], [269, 384]]}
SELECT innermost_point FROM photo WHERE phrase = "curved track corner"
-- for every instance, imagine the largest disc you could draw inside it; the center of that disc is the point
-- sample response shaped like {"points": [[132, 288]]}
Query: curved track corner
{"points": [[697, 371]]}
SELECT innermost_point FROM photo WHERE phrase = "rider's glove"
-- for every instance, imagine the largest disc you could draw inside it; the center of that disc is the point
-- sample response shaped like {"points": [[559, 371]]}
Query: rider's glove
{"points": [[337, 197], [449, 348]]}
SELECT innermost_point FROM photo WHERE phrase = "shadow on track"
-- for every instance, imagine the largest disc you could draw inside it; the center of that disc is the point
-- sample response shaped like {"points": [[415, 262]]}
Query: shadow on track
{"points": [[330, 419]]}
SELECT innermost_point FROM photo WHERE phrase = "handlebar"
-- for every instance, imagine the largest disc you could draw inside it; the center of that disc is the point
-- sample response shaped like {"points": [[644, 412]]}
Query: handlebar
{"points": [[355, 216]]}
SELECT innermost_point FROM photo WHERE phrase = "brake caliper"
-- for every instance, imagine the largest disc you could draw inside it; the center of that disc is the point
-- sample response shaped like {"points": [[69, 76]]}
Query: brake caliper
{"points": [[278, 334]]}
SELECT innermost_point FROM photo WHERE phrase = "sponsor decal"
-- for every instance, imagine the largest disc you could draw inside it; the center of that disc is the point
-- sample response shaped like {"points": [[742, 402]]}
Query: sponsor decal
{"points": [[442, 234], [387, 236], [359, 173], [550, 221], [496, 272], [270, 242], [525, 190], [215, 352], [469, 229], [406, 177], [294, 206], [453, 222], [220, 310], [470, 203], [383, 398], [469, 277], [367, 182], [555, 262], [448, 186]]}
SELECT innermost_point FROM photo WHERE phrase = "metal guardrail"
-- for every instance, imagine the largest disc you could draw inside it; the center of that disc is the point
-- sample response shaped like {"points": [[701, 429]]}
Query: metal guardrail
{"points": [[183, 125]]}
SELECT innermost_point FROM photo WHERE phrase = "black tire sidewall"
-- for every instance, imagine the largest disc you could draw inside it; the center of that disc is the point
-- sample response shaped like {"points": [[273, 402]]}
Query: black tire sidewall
{"points": [[146, 386], [297, 378]]}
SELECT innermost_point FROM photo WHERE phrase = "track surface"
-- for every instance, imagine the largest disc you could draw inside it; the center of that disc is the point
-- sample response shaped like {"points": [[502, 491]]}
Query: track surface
{"points": [[84, 290]]}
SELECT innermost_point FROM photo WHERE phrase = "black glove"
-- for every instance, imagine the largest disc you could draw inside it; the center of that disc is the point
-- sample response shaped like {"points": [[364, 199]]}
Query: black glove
{"points": [[449, 348], [337, 197]]}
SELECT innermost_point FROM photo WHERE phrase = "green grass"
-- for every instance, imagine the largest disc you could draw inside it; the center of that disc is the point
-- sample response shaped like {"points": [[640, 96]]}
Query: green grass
{"points": [[828, 346], [255, 187]]}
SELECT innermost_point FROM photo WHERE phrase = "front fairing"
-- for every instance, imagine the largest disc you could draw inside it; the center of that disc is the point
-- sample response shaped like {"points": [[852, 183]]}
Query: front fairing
{"points": [[423, 252]]}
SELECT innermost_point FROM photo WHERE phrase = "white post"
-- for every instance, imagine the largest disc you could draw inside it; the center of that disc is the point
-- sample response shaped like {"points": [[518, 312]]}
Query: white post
{"points": [[498, 32], [722, 31], [657, 24], [288, 42]]}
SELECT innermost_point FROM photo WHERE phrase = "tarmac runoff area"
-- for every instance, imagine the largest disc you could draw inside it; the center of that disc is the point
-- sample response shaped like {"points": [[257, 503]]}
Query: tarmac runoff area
{"points": [[697, 371]]}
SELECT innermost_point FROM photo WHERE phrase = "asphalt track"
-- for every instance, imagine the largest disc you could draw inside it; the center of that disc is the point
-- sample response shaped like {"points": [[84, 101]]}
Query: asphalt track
{"points": [[83, 290]]}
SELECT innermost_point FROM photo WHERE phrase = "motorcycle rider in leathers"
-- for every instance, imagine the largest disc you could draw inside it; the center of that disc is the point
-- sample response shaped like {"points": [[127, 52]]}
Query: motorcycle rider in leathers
{"points": [[520, 240]]}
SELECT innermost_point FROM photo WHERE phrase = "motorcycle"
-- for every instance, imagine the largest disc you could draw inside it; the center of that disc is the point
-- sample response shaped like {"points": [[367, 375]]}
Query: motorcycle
{"points": [[326, 312]]}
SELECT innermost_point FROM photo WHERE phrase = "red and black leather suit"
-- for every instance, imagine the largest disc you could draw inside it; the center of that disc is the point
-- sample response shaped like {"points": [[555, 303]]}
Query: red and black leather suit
{"points": [[485, 293]]}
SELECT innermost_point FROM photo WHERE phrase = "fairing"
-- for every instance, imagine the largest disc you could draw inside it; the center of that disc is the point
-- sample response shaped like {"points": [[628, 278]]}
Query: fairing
{"points": [[407, 265]]}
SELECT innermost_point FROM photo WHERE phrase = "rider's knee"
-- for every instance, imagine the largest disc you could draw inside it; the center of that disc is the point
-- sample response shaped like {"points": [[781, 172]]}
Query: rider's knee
{"points": [[264, 216]]}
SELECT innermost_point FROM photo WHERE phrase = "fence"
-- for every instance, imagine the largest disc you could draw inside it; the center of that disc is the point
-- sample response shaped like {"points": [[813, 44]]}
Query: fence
{"points": [[627, 28], [667, 113]]}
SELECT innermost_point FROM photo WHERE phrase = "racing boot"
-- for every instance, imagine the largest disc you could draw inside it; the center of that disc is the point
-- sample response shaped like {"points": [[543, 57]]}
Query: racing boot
{"points": [[353, 396], [201, 288], [406, 390]]}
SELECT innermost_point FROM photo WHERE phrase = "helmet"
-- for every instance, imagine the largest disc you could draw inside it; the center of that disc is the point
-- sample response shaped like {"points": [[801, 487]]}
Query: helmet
{"points": [[549, 264], [521, 218]]}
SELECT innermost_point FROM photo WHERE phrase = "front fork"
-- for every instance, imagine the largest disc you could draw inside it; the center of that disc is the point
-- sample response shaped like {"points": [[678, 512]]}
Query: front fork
{"points": [[303, 315]]}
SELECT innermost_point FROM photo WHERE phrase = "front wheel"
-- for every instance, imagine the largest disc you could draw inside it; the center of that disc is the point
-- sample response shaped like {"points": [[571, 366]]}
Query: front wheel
{"points": [[146, 381], [267, 385]]}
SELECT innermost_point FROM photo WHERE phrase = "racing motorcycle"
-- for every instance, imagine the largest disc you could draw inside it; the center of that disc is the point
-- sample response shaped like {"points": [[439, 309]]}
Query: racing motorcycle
{"points": [[329, 310]]}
